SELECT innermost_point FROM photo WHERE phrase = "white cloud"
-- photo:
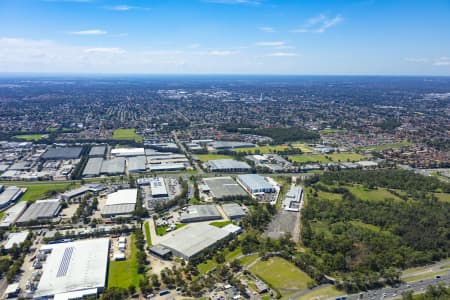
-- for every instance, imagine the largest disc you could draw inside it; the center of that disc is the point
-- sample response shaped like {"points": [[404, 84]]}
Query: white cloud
{"points": [[442, 61], [90, 32], [218, 53], [105, 50], [283, 54], [267, 29], [271, 44], [124, 7], [416, 59], [319, 24], [250, 2]]}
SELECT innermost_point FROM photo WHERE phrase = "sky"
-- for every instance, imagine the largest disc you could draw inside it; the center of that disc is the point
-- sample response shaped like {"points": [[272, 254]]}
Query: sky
{"points": [[304, 37]]}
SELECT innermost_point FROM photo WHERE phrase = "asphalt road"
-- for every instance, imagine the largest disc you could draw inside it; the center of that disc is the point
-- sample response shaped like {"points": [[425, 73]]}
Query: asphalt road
{"points": [[388, 293]]}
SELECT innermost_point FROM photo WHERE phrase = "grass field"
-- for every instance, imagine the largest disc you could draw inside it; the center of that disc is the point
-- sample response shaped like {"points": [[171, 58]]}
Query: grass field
{"points": [[281, 274], [148, 237], [379, 194], [126, 135], [330, 131], [208, 157], [162, 230], [389, 146], [263, 149], [322, 293], [443, 197], [326, 158], [305, 148], [207, 266], [42, 191], [124, 273], [220, 224], [246, 260], [30, 137], [329, 196]]}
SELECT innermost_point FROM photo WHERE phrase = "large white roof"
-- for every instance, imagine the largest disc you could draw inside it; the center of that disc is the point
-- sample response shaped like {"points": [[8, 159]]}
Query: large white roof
{"points": [[127, 196], [127, 151], [16, 238], [74, 266]]}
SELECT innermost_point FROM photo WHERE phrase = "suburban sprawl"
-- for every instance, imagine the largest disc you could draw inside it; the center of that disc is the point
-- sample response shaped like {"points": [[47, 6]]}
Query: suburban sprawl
{"points": [[264, 188]]}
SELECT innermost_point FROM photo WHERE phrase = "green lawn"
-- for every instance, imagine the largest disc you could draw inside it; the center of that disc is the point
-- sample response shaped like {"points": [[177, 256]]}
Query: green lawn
{"points": [[378, 194], [329, 196], [229, 256], [322, 293], [126, 135], [281, 274], [207, 266], [208, 157], [124, 273], [148, 237], [443, 197], [305, 148], [42, 191], [246, 260], [389, 146], [263, 149], [162, 230], [220, 224], [30, 137], [326, 158]]}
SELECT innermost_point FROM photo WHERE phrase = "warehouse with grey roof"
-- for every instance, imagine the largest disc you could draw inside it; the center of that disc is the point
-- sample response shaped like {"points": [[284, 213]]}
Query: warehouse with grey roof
{"points": [[191, 240], [62, 153], [233, 211], [224, 187], [120, 203], [200, 213], [227, 165], [41, 210], [255, 184]]}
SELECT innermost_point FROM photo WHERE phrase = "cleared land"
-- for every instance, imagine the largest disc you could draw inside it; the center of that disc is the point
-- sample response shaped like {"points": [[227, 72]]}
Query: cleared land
{"points": [[42, 191], [378, 194], [330, 131], [124, 273], [30, 137], [389, 146], [208, 157], [305, 148], [424, 276], [263, 149], [162, 230], [281, 275], [126, 135], [322, 293], [326, 158]]}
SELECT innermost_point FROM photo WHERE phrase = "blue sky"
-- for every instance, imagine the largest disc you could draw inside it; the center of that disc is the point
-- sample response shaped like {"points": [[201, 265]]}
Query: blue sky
{"points": [[404, 37]]}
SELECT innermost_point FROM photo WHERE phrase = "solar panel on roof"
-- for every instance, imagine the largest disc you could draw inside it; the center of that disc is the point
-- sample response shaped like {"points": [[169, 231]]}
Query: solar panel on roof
{"points": [[64, 266]]}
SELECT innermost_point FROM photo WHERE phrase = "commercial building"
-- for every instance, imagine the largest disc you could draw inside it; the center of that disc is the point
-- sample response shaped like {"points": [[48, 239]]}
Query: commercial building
{"points": [[227, 165], [233, 211], [10, 195], [62, 153], [200, 213], [293, 198], [97, 151], [158, 188], [167, 167], [222, 145], [191, 240], [12, 214], [120, 203], [128, 152], [41, 210], [16, 238], [224, 187], [93, 167], [255, 184], [83, 190], [74, 270], [115, 166], [136, 164]]}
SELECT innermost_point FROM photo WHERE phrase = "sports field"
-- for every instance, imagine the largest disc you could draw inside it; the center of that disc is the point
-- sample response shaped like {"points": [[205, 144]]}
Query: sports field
{"points": [[281, 275], [124, 273], [208, 157], [126, 135]]}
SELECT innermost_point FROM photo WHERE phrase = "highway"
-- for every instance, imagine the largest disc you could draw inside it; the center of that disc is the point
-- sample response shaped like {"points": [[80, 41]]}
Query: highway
{"points": [[388, 293]]}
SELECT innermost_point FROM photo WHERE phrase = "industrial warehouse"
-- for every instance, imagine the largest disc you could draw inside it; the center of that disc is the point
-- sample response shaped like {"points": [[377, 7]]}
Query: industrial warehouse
{"points": [[227, 165], [191, 240], [120, 203], [73, 270], [255, 184], [62, 153], [222, 187], [233, 211], [10, 195], [41, 210], [199, 213]]}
